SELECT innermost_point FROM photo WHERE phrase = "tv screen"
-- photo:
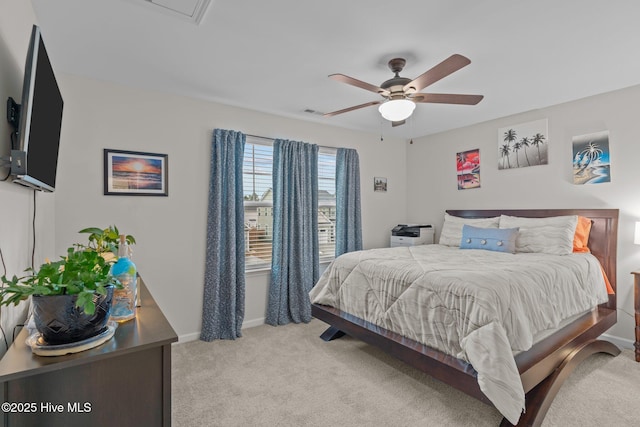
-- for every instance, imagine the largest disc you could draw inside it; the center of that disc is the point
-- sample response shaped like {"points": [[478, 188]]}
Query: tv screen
{"points": [[40, 119]]}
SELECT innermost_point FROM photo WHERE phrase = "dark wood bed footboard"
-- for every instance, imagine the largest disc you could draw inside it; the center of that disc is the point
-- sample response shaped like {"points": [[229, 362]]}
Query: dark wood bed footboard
{"points": [[542, 369], [545, 366], [441, 366]]}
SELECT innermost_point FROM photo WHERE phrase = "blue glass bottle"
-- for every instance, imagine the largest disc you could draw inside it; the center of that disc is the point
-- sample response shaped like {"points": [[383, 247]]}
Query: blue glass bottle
{"points": [[124, 300]]}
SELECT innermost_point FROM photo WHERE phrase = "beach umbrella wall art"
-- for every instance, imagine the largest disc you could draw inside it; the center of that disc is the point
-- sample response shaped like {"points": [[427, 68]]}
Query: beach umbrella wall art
{"points": [[468, 169], [523, 145], [591, 161]]}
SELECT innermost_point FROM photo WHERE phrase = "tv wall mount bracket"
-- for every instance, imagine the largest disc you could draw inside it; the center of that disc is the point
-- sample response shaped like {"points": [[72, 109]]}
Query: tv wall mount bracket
{"points": [[13, 113], [17, 158]]}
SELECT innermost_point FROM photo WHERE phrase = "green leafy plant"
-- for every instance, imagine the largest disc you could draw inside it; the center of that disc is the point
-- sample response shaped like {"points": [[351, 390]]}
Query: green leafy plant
{"points": [[82, 272], [103, 240]]}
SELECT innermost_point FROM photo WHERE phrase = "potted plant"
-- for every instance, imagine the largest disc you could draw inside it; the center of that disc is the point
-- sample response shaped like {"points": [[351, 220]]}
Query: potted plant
{"points": [[71, 297], [105, 240]]}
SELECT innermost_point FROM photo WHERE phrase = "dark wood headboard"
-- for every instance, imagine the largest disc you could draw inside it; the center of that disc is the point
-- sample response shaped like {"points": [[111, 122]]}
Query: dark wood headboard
{"points": [[603, 239]]}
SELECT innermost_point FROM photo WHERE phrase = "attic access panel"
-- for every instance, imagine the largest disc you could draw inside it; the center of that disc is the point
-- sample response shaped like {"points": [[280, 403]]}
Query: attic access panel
{"points": [[191, 10]]}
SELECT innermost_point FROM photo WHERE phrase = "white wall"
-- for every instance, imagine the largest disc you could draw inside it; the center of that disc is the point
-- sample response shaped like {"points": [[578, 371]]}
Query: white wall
{"points": [[16, 202], [170, 231], [432, 185]]}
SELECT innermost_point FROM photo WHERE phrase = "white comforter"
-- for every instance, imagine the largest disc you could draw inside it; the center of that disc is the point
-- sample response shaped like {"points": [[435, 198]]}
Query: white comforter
{"points": [[479, 306]]}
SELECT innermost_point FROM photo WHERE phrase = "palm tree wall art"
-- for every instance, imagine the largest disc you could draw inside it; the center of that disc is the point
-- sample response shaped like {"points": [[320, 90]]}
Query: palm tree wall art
{"points": [[523, 145], [591, 160]]}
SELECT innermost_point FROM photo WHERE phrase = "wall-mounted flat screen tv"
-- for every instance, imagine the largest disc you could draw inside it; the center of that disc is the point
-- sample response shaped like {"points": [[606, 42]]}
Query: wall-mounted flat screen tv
{"points": [[40, 121]]}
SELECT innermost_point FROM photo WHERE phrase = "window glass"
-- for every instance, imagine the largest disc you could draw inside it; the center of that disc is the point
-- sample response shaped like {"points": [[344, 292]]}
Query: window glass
{"points": [[258, 203]]}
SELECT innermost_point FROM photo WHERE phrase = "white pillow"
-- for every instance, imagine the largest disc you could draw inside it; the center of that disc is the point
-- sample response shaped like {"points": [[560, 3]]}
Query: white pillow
{"points": [[551, 235], [452, 228]]}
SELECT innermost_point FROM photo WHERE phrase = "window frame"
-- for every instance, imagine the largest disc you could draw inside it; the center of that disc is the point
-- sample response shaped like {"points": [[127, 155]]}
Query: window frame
{"points": [[256, 204]]}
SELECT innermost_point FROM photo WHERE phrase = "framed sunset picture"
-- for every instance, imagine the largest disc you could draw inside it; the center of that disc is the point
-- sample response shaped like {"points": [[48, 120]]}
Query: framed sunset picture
{"points": [[131, 173]]}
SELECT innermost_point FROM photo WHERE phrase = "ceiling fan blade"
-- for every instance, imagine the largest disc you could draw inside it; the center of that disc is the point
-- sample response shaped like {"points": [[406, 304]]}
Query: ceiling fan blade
{"points": [[447, 98], [398, 123], [358, 83], [355, 107], [443, 69]]}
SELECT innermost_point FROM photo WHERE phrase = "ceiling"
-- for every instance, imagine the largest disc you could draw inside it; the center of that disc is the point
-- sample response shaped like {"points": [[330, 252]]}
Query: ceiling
{"points": [[274, 56]]}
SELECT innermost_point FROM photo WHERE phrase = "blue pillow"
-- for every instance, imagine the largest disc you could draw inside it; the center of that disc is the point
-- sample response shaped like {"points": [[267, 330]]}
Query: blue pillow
{"points": [[491, 239]]}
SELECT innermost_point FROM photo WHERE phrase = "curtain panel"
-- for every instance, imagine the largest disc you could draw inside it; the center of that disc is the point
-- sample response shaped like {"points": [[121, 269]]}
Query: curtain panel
{"points": [[224, 281], [295, 264], [348, 217]]}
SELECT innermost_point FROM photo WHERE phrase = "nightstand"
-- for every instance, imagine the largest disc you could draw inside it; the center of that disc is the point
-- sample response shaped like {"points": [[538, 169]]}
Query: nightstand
{"points": [[636, 299]]}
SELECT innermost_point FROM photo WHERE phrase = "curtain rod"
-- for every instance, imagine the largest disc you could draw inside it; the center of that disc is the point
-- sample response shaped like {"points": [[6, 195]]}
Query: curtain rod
{"points": [[261, 137], [273, 139]]}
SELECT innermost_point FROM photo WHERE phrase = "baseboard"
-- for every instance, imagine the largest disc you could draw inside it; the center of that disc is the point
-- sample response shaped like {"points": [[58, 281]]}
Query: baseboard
{"points": [[252, 323], [188, 337], [620, 342], [194, 336]]}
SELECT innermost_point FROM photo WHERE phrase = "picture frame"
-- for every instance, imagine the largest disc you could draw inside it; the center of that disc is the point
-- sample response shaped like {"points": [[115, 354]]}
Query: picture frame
{"points": [[591, 158], [380, 184], [523, 145], [134, 173], [468, 169]]}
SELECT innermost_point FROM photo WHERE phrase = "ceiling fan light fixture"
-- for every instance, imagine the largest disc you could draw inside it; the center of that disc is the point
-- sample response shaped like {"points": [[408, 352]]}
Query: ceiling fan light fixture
{"points": [[396, 110]]}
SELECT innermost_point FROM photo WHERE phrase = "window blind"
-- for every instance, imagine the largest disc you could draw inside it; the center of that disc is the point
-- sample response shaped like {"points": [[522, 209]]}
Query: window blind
{"points": [[257, 184]]}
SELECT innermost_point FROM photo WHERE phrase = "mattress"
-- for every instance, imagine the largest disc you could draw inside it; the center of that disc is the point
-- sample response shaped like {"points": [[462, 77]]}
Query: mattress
{"points": [[479, 306]]}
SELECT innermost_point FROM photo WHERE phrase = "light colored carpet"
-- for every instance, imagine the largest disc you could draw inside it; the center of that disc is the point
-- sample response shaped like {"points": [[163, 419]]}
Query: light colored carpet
{"points": [[288, 376]]}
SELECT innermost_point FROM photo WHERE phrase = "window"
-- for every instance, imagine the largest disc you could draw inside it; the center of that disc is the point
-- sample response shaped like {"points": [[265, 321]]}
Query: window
{"points": [[258, 203], [327, 204]]}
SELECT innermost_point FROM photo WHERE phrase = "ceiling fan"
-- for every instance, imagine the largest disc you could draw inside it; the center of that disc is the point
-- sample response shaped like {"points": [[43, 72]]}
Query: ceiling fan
{"points": [[401, 94]]}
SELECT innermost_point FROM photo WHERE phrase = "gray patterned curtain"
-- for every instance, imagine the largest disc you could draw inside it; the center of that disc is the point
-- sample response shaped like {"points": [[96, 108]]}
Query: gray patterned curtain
{"points": [[295, 264], [224, 281], [348, 219]]}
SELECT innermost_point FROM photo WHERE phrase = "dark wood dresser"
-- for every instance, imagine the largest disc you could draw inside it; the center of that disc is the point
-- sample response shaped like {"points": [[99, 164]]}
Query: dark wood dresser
{"points": [[126, 381]]}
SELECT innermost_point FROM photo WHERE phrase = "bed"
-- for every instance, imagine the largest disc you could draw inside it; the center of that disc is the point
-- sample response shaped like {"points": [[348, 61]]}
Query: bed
{"points": [[542, 367]]}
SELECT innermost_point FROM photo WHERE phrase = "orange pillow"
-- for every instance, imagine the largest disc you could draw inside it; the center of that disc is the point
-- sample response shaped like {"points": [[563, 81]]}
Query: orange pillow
{"points": [[581, 237], [606, 282], [580, 240]]}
